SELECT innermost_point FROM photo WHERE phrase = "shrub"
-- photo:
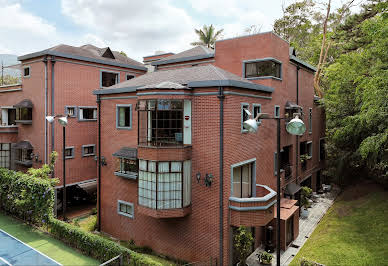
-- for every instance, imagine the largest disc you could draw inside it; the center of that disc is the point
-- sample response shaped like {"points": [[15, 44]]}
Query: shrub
{"points": [[95, 246], [306, 262], [243, 241], [26, 197], [305, 195]]}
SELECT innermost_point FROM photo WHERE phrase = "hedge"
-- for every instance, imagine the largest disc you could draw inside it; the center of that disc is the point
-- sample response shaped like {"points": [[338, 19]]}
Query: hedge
{"points": [[26, 197], [95, 246]]}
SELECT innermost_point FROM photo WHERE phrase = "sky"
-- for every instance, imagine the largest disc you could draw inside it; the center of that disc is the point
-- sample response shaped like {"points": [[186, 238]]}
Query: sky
{"points": [[137, 27]]}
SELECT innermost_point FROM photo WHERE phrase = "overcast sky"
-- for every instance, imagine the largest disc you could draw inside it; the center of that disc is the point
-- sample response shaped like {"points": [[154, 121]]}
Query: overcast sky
{"points": [[137, 27]]}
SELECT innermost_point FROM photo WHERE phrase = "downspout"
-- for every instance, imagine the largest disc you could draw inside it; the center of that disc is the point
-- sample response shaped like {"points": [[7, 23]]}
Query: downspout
{"points": [[99, 163], [45, 108], [221, 96], [297, 137], [52, 100]]}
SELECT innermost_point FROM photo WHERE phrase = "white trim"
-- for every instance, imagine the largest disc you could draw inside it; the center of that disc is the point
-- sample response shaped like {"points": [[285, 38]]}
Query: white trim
{"points": [[132, 216], [242, 116], [29, 71]]}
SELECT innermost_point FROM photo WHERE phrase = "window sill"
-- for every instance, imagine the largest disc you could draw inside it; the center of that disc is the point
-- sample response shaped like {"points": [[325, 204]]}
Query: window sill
{"points": [[132, 176], [25, 122], [24, 163], [126, 214], [86, 120], [66, 158], [266, 77], [124, 128], [88, 155]]}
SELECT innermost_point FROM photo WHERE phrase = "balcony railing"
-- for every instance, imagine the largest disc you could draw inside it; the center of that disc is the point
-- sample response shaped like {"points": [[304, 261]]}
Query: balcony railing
{"points": [[254, 211]]}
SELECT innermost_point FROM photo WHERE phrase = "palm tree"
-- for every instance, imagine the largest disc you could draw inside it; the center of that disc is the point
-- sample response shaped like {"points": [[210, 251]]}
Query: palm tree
{"points": [[207, 36]]}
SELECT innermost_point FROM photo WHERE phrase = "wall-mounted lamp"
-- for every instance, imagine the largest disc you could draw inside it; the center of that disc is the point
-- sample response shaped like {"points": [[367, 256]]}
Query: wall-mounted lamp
{"points": [[103, 161], [198, 175], [208, 180]]}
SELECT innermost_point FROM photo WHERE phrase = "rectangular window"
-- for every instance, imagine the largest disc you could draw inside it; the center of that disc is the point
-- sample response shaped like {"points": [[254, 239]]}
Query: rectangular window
{"points": [[277, 111], [160, 122], [26, 72], [263, 68], [309, 149], [23, 155], [310, 120], [69, 152], [124, 116], [109, 78], [88, 150], [164, 185], [70, 111], [127, 168], [125, 208], [256, 110], [5, 155], [322, 149], [242, 181], [130, 76], [244, 115], [24, 114], [87, 113]]}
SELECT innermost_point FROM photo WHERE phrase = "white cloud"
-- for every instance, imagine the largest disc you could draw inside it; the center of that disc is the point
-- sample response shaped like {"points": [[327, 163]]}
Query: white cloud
{"points": [[137, 27]]}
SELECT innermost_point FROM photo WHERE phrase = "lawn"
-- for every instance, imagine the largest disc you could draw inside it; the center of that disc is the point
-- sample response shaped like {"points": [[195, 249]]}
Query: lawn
{"points": [[44, 243], [354, 231]]}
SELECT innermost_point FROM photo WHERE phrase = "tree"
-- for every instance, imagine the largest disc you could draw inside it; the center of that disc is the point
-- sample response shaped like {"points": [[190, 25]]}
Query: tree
{"points": [[243, 242], [9, 80], [45, 172], [123, 53], [207, 36]]}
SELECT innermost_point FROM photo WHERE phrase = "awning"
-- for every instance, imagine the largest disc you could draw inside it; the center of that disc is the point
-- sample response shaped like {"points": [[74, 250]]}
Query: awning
{"points": [[285, 214], [292, 189], [26, 103], [23, 145], [127, 153], [291, 105]]}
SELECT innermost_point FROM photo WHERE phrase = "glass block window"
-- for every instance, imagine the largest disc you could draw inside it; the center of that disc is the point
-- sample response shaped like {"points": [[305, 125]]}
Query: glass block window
{"points": [[5, 155]]}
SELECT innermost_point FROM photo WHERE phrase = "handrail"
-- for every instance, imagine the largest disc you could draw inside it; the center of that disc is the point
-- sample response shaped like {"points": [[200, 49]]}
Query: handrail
{"points": [[267, 197]]}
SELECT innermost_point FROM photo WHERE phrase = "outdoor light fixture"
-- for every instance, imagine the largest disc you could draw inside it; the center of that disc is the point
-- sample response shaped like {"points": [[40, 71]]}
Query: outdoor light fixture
{"points": [[63, 121], [198, 175], [294, 127]]}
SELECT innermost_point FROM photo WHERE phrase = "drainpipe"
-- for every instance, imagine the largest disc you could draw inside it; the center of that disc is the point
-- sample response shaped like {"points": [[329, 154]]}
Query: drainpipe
{"points": [[45, 107], [52, 101], [221, 96], [99, 164], [297, 137]]}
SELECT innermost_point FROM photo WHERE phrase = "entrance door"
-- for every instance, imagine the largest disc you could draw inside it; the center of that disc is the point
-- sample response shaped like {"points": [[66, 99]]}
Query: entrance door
{"points": [[290, 230]]}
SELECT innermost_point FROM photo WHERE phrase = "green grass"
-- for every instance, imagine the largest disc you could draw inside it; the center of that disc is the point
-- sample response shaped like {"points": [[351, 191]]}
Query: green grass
{"points": [[87, 223], [354, 231], [43, 242]]}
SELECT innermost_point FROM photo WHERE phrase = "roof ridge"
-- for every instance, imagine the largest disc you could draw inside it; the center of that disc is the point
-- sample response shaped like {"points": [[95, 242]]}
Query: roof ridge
{"points": [[221, 75]]}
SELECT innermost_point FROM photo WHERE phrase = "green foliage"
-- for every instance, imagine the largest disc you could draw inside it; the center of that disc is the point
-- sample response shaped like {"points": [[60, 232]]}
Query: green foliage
{"points": [[306, 262], [95, 246], [9, 80], [243, 242], [207, 36], [305, 195], [29, 198], [46, 170], [265, 257]]}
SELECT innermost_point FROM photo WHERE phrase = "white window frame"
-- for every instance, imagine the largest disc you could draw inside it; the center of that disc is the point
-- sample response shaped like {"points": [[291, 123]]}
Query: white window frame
{"points": [[132, 216], [242, 116], [276, 109], [80, 113], [118, 106], [253, 181], [67, 107], [29, 71], [253, 112], [89, 154], [109, 71], [72, 152]]}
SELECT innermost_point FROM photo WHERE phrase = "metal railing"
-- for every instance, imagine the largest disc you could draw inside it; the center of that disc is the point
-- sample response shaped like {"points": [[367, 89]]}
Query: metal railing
{"points": [[118, 260]]}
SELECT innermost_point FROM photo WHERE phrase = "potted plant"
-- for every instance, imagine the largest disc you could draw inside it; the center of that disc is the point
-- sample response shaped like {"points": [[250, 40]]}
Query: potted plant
{"points": [[303, 160], [265, 258], [243, 241], [304, 201]]}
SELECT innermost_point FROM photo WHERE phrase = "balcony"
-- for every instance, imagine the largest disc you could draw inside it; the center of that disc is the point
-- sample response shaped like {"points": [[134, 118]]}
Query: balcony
{"points": [[254, 211], [8, 134]]}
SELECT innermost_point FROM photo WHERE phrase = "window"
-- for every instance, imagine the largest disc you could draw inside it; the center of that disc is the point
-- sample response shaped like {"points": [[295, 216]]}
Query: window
{"points": [[87, 113], [127, 168], [24, 114], [309, 149], [7, 116], [109, 78], [277, 111], [26, 71], [23, 155], [244, 115], [160, 122], [256, 110], [322, 150], [124, 116], [88, 150], [5, 155], [69, 152], [263, 68], [310, 120], [303, 148], [70, 111], [125, 208], [164, 185], [242, 181], [130, 76]]}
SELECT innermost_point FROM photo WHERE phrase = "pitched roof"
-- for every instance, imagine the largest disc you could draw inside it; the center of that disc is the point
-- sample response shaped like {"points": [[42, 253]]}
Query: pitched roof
{"points": [[192, 77], [196, 53], [90, 53]]}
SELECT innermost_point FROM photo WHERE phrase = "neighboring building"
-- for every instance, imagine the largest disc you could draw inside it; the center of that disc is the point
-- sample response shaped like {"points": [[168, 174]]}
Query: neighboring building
{"points": [[163, 135], [59, 80]]}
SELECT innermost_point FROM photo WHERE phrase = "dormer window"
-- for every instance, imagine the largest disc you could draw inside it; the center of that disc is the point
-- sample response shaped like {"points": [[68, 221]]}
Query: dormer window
{"points": [[263, 68], [107, 53]]}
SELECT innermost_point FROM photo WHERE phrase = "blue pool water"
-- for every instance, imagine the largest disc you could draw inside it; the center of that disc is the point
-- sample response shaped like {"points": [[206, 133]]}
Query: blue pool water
{"points": [[14, 252]]}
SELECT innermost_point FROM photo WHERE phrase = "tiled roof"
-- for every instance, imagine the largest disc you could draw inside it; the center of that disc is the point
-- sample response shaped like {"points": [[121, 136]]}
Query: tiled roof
{"points": [[87, 52], [196, 53], [199, 76]]}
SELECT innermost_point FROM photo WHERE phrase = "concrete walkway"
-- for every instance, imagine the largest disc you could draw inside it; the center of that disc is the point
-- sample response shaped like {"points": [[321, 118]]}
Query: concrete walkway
{"points": [[306, 227]]}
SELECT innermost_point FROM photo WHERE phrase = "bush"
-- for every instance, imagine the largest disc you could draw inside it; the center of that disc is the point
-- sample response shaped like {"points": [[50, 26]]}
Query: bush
{"points": [[95, 246], [306, 262], [243, 242], [26, 197]]}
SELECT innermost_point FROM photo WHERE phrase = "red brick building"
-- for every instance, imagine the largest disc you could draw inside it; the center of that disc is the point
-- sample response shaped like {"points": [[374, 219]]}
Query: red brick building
{"points": [[59, 80], [181, 172]]}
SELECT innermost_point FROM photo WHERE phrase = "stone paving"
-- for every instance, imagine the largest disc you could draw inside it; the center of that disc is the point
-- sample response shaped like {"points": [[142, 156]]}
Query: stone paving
{"points": [[306, 227]]}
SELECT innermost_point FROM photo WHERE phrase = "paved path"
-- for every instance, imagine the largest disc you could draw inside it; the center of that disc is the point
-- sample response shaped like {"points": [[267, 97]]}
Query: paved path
{"points": [[306, 227]]}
